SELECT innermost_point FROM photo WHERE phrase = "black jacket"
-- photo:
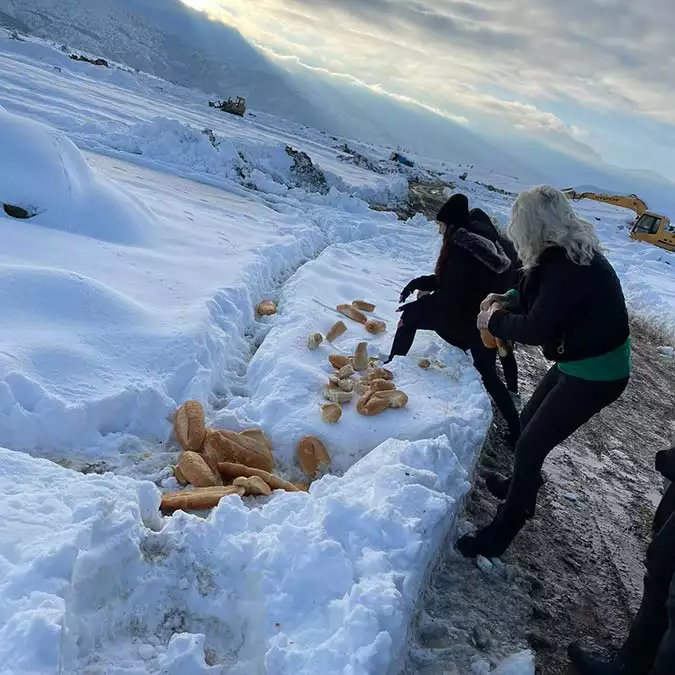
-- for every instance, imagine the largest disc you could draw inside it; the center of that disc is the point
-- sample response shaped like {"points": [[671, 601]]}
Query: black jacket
{"points": [[573, 311], [476, 266]]}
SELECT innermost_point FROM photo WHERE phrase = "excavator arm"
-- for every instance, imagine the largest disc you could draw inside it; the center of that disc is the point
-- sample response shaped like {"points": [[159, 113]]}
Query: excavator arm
{"points": [[632, 202]]}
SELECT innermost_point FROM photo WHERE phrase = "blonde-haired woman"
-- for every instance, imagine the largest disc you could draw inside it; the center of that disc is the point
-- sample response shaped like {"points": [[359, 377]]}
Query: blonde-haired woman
{"points": [[571, 304]]}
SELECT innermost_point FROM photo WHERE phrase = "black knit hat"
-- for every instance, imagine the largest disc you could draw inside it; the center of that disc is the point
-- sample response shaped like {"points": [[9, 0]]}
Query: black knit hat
{"points": [[455, 212]]}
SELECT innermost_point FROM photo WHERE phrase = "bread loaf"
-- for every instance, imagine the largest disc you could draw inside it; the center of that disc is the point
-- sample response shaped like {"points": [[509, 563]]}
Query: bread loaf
{"points": [[353, 313], [238, 448], [254, 486], [195, 470], [371, 404], [232, 470], [190, 425], [198, 498]]}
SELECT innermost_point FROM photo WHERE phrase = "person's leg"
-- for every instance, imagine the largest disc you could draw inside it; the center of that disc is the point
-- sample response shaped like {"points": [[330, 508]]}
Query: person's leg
{"points": [[497, 484], [484, 360], [510, 369], [665, 659], [567, 406], [403, 340], [649, 648]]}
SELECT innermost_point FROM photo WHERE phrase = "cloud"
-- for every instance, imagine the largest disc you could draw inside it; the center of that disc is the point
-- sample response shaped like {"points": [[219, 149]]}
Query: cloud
{"points": [[503, 62]]}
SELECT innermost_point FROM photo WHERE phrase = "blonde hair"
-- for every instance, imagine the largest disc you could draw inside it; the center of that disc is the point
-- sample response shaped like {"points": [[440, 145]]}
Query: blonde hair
{"points": [[542, 217]]}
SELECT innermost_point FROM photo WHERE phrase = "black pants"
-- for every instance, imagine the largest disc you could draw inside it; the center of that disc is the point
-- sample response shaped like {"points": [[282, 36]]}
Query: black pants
{"points": [[559, 406], [650, 646], [510, 370], [484, 360]]}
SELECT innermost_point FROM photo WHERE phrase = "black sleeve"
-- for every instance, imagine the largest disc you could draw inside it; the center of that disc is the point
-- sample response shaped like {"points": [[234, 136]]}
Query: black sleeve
{"points": [[545, 320], [457, 273], [427, 283]]}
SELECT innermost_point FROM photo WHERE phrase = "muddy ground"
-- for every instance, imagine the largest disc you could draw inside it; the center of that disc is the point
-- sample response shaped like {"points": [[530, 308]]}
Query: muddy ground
{"points": [[575, 571]]}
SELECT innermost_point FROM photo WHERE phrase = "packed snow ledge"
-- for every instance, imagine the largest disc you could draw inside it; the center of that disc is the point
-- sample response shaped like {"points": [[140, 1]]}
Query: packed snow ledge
{"points": [[129, 291]]}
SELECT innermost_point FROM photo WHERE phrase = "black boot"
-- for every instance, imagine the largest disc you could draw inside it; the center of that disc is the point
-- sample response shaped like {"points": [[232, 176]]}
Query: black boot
{"points": [[585, 664], [493, 540], [497, 485]]}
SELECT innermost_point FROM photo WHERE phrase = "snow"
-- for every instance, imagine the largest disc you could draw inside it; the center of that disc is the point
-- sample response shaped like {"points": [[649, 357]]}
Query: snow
{"points": [[307, 582], [159, 225]]}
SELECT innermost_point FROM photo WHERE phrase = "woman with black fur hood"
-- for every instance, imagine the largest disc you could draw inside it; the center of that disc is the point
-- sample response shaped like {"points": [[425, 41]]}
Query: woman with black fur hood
{"points": [[472, 262]]}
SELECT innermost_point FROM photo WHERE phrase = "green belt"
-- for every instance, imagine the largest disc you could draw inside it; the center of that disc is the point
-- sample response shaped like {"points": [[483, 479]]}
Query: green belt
{"points": [[615, 365]]}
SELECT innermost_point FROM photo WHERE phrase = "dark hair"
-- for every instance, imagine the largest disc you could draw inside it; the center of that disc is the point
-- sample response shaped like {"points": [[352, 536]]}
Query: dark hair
{"points": [[453, 214]]}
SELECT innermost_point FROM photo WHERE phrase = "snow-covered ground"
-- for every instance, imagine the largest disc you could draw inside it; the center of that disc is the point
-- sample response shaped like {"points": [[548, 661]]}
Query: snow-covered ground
{"points": [[159, 224]]}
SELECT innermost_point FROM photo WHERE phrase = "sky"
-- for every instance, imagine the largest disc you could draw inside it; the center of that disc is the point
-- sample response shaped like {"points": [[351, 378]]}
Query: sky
{"points": [[585, 76]]}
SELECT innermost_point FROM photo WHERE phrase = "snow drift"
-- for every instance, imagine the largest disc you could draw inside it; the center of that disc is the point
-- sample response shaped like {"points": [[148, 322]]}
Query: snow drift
{"points": [[44, 173]]}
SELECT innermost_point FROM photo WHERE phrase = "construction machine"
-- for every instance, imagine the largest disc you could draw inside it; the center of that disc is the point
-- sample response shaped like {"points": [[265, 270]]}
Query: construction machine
{"points": [[648, 226], [234, 107]]}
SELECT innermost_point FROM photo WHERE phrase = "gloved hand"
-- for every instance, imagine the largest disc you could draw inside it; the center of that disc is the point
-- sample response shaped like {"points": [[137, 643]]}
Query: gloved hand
{"points": [[407, 291], [492, 299]]}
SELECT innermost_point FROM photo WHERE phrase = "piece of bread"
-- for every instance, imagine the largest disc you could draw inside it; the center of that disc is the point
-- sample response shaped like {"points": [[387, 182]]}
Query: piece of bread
{"points": [[353, 313], [229, 446], [313, 456], [338, 361], [425, 364], [381, 385], [266, 308], [334, 394], [194, 468], [364, 306], [371, 404], [254, 486], [375, 327], [259, 436], [380, 374], [395, 398], [361, 362], [339, 328], [231, 470], [331, 413], [314, 340], [190, 425], [198, 498]]}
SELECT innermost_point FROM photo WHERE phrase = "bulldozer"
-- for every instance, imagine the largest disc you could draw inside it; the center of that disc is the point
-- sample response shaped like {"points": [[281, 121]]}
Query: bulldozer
{"points": [[234, 107], [648, 226]]}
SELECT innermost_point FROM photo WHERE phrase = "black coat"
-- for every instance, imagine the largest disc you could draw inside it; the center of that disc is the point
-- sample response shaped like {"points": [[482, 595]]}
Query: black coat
{"points": [[476, 266], [573, 311]]}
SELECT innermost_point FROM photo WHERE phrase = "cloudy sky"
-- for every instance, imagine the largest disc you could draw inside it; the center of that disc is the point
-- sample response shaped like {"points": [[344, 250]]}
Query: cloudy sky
{"points": [[593, 72]]}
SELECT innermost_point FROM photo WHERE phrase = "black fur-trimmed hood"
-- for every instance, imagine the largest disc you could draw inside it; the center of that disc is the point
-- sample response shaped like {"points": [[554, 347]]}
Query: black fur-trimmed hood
{"points": [[490, 253]]}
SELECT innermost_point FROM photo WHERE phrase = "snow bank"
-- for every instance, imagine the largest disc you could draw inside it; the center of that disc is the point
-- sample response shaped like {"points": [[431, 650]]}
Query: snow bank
{"points": [[307, 583], [286, 379], [43, 172]]}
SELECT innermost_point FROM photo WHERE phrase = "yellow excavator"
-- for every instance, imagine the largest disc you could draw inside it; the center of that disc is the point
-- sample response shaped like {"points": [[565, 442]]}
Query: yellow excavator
{"points": [[648, 226]]}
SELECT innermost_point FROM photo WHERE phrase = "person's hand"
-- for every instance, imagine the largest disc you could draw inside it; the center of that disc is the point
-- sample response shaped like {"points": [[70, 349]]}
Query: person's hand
{"points": [[407, 291], [494, 299], [483, 319]]}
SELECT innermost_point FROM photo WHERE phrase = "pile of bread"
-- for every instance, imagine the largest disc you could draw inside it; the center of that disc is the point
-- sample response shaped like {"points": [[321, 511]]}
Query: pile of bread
{"points": [[218, 462], [375, 388]]}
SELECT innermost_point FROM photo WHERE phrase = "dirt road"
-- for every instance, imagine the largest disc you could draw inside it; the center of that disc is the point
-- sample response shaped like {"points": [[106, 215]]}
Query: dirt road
{"points": [[575, 571]]}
